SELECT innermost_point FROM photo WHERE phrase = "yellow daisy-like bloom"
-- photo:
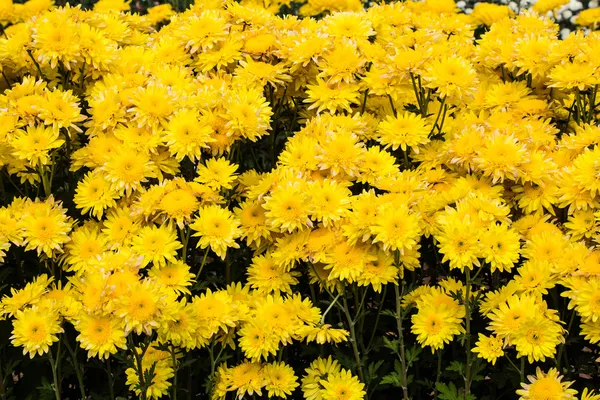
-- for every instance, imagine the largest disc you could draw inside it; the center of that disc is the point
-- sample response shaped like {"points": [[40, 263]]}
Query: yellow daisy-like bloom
{"points": [[248, 114], [379, 272], [175, 276], [343, 385], [86, 245], [280, 379], [218, 173], [46, 228], [538, 338], [453, 77], [587, 300], [35, 143], [127, 169], [253, 222], [94, 194], [258, 341], [406, 130], [100, 335], [156, 244], [27, 296], [218, 228], [246, 378], [500, 246], [265, 276], [332, 97], [179, 205], [180, 330], [35, 330], [489, 348], [187, 134], [396, 227], [329, 201], [322, 334], [435, 326], [546, 385], [288, 208]]}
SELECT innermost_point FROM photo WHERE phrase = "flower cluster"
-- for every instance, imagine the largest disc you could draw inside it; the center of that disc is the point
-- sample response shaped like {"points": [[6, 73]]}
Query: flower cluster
{"points": [[228, 184]]}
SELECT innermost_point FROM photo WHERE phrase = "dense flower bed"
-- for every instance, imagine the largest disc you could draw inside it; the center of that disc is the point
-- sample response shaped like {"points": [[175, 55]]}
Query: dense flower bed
{"points": [[398, 201]]}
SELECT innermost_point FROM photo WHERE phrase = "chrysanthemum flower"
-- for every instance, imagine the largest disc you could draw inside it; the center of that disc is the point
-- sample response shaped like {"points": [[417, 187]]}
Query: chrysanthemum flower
{"points": [[35, 330], [546, 385]]}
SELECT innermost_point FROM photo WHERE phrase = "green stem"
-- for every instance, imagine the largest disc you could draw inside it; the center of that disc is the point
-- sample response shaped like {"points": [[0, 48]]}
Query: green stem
{"points": [[111, 382], [399, 318], [202, 265], [54, 375], [78, 370], [562, 345], [392, 105], [353, 340], [37, 66], [185, 238], [439, 367], [329, 308], [364, 102], [175, 368], [514, 366], [468, 334], [384, 292], [522, 369], [437, 118]]}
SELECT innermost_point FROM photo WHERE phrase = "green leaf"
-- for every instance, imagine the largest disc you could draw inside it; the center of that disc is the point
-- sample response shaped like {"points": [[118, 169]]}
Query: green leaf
{"points": [[450, 392], [391, 344]]}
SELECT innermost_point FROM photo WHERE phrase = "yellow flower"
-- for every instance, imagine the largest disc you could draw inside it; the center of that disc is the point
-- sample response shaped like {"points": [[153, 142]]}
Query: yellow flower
{"points": [[35, 143], [407, 130], [156, 244], [280, 379], [332, 96], [489, 348], [94, 194], [35, 330], [322, 334], [100, 335], [175, 276], [544, 385], [537, 338], [435, 326], [396, 227], [343, 385], [218, 228], [218, 173], [265, 276]]}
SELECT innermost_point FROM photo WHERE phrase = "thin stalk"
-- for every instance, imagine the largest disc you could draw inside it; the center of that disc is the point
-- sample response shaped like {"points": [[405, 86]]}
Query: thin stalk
{"points": [[185, 238], [353, 340], [437, 118], [329, 308], [514, 366], [468, 334], [364, 102], [562, 345], [417, 93], [174, 361], [78, 370], [392, 104], [403, 377], [593, 94], [54, 375], [111, 381], [202, 265], [37, 66], [384, 292], [522, 369]]}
